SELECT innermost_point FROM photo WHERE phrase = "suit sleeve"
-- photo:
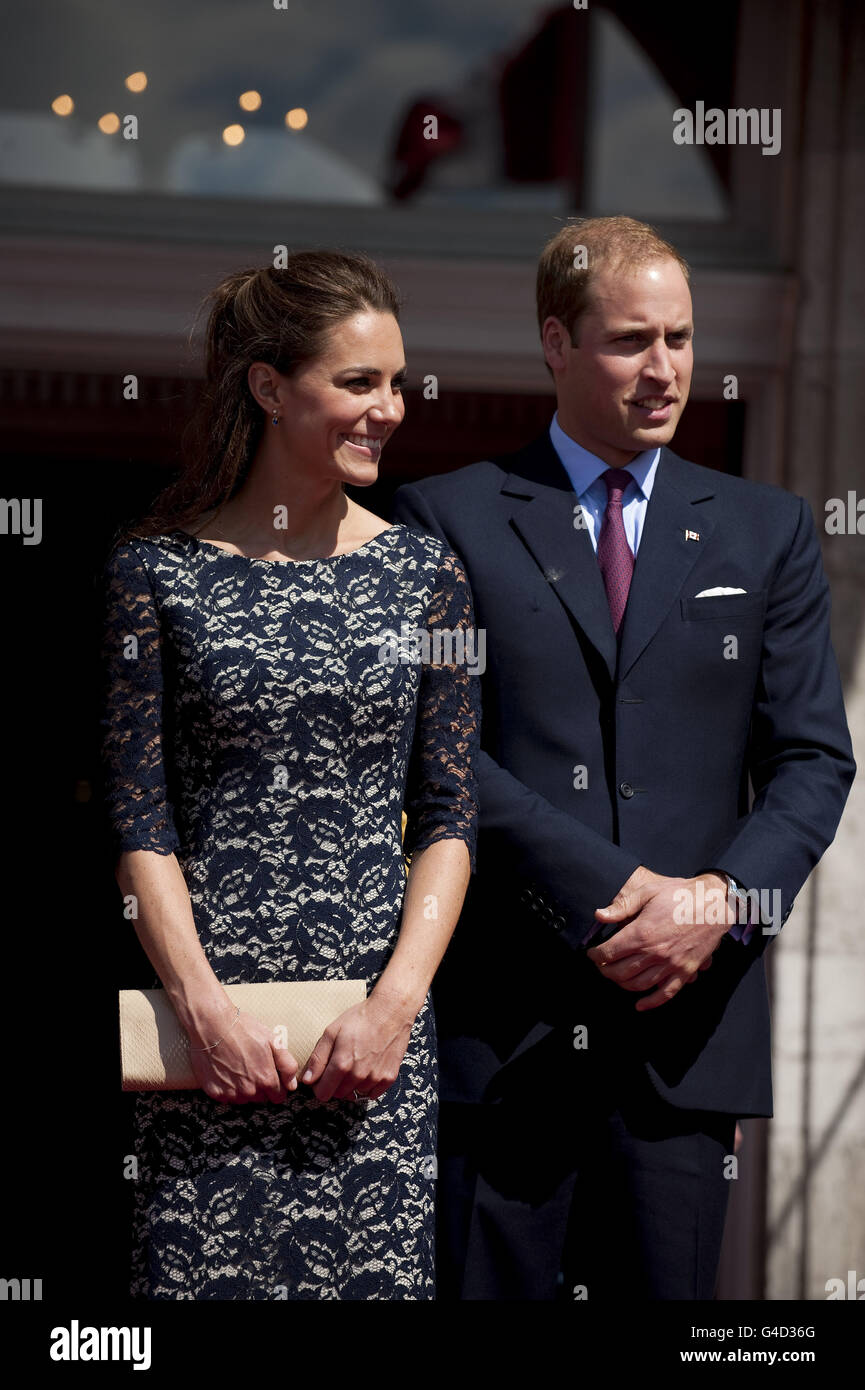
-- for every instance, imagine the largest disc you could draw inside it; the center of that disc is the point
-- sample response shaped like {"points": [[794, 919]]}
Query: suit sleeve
{"points": [[800, 756], [566, 869]]}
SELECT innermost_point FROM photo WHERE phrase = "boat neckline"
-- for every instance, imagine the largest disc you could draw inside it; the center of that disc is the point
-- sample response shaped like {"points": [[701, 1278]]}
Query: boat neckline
{"points": [[287, 562]]}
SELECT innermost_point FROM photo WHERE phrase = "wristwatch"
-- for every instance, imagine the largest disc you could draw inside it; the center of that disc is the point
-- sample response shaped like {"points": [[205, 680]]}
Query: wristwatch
{"points": [[737, 898]]}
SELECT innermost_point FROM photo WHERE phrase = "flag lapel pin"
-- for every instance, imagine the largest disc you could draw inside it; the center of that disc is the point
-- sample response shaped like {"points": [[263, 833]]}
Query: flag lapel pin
{"points": [[692, 535]]}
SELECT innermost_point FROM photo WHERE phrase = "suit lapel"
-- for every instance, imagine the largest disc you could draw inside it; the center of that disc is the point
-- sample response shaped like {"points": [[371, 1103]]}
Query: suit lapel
{"points": [[542, 513], [666, 554]]}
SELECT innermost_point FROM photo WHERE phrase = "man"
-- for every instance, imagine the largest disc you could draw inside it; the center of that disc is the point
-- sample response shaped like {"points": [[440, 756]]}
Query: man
{"points": [[657, 633]]}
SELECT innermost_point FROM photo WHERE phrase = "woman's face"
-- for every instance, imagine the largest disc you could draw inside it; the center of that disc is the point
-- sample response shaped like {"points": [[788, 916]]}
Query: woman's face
{"points": [[339, 410]]}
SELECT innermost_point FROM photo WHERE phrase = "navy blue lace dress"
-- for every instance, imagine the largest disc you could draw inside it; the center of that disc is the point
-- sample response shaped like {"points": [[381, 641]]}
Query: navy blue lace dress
{"points": [[261, 723]]}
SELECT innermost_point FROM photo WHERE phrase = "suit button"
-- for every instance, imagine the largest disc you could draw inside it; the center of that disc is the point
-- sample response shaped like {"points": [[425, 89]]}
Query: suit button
{"points": [[626, 790]]}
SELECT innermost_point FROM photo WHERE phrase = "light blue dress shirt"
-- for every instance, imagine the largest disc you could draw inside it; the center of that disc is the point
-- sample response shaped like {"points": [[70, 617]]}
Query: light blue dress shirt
{"points": [[586, 471]]}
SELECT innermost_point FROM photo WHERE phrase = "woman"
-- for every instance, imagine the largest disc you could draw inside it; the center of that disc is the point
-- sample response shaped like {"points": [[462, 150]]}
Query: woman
{"points": [[258, 752]]}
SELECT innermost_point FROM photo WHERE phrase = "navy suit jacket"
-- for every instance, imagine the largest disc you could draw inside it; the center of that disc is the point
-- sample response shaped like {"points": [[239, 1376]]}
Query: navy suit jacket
{"points": [[669, 725]]}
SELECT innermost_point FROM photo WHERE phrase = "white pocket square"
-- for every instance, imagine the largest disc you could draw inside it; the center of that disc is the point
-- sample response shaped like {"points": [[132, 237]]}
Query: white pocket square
{"points": [[716, 593]]}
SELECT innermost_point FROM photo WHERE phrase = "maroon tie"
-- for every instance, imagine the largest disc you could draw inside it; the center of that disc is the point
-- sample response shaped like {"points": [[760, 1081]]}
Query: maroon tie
{"points": [[614, 554]]}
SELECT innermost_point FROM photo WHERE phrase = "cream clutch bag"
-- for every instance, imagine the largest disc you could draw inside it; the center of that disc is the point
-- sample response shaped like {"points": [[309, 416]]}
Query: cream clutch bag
{"points": [[154, 1054]]}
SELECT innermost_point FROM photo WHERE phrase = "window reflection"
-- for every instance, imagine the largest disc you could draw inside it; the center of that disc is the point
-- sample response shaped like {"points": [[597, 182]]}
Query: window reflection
{"points": [[492, 103]]}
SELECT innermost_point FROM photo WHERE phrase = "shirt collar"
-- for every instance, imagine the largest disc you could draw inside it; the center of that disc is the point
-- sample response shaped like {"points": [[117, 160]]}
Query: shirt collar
{"points": [[584, 468]]}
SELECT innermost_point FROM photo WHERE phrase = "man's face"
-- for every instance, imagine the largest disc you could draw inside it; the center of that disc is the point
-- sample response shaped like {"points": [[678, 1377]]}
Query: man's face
{"points": [[623, 389]]}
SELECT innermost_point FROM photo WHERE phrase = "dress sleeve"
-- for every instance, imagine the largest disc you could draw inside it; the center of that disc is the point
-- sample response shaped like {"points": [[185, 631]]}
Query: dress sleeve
{"points": [[441, 800], [137, 808]]}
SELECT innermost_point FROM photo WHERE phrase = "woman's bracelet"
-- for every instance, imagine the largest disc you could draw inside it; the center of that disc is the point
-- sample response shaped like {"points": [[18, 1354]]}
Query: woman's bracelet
{"points": [[224, 1036]]}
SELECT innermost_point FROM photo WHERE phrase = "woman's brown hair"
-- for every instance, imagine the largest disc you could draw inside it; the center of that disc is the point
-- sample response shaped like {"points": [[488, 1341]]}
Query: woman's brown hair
{"points": [[279, 316]]}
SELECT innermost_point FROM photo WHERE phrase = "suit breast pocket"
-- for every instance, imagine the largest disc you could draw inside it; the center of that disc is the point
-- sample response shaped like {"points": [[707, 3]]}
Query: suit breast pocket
{"points": [[748, 608]]}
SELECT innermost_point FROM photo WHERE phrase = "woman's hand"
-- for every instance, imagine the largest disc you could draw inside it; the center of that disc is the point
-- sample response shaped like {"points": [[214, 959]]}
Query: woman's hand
{"points": [[247, 1067], [361, 1050]]}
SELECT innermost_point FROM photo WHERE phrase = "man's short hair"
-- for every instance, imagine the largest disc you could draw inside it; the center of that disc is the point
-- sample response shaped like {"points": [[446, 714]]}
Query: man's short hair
{"points": [[564, 291]]}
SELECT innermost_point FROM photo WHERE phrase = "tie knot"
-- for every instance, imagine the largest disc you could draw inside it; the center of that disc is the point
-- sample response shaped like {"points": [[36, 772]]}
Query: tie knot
{"points": [[617, 480]]}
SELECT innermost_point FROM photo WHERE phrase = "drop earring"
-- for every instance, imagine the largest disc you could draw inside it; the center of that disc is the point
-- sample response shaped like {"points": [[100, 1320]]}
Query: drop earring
{"points": [[275, 418]]}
